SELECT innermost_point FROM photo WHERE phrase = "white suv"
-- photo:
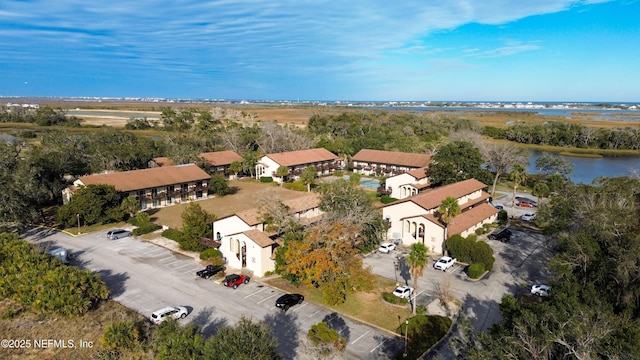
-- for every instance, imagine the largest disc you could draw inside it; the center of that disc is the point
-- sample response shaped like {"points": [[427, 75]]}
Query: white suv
{"points": [[444, 263], [176, 312], [386, 247]]}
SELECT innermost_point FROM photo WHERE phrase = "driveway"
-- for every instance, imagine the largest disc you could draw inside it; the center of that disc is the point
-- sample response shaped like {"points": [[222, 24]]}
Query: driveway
{"points": [[146, 277]]}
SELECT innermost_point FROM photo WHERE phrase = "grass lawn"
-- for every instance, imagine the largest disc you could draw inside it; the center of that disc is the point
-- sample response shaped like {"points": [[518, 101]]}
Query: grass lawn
{"points": [[366, 307], [242, 199]]}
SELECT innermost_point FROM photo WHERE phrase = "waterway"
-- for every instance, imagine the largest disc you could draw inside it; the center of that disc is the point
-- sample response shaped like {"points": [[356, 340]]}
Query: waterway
{"points": [[585, 170]]}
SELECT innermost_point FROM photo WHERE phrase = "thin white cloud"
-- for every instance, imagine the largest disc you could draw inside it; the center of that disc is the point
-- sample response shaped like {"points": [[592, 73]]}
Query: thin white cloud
{"points": [[199, 38]]}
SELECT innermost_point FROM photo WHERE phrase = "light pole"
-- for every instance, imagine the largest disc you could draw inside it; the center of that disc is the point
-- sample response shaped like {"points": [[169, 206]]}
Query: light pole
{"points": [[78, 217], [395, 270], [406, 331]]}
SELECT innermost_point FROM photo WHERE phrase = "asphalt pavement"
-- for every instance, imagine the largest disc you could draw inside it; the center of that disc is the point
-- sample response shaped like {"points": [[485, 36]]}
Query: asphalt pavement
{"points": [[145, 277]]}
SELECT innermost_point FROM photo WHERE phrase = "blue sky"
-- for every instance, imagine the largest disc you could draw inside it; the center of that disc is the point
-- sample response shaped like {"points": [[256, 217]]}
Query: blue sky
{"points": [[474, 50]]}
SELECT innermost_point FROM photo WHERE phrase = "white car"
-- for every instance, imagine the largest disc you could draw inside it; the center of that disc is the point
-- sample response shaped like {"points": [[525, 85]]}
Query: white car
{"points": [[176, 312], [444, 263], [541, 290], [403, 291], [528, 216], [386, 247]]}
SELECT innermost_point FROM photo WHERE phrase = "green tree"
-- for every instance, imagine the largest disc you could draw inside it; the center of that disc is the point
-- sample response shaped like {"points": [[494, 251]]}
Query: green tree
{"points": [[172, 341], [235, 167], [541, 190], [282, 172], [219, 185], [457, 161], [448, 209], [130, 205], [417, 261], [93, 204], [308, 176], [196, 222]]}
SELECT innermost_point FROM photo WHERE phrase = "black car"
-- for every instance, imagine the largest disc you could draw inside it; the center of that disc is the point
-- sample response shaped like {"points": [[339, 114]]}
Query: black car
{"points": [[504, 235], [286, 301], [209, 271]]}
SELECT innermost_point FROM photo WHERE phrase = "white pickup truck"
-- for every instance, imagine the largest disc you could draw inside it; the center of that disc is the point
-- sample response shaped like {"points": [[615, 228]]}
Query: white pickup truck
{"points": [[444, 263], [60, 254]]}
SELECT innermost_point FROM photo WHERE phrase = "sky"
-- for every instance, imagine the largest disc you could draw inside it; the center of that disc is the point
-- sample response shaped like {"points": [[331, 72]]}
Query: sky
{"points": [[356, 50]]}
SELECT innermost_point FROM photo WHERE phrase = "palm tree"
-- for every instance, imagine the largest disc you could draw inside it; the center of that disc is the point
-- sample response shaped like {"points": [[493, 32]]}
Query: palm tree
{"points": [[282, 171], [417, 261], [518, 175], [449, 209], [541, 190]]}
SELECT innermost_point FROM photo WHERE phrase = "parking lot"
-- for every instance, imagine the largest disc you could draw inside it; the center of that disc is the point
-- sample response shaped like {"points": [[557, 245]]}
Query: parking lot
{"points": [[146, 277], [518, 264]]}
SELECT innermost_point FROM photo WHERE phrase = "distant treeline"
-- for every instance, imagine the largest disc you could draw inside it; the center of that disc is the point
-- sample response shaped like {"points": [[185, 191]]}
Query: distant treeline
{"points": [[43, 116], [568, 135]]}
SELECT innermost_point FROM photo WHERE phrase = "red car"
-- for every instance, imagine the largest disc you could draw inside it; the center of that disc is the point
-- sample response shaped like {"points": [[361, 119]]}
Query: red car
{"points": [[525, 204], [234, 280]]}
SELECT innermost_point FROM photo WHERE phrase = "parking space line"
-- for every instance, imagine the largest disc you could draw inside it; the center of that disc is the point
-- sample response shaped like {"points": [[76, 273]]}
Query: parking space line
{"points": [[159, 254], [310, 315], [256, 292], [300, 307], [173, 262], [187, 264], [191, 270], [265, 299], [167, 258], [360, 337], [374, 349]]}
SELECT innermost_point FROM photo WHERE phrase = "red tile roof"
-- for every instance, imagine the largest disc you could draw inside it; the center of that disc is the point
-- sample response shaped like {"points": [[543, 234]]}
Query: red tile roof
{"points": [[221, 158], [302, 157], [148, 178], [419, 173], [465, 220], [392, 158], [259, 237], [432, 199], [252, 217]]}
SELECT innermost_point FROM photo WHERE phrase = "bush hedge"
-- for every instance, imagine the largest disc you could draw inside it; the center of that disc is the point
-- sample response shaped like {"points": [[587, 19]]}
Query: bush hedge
{"points": [[146, 228], [385, 199], [173, 234], [469, 250], [390, 298], [212, 255], [475, 270], [266, 179], [423, 332], [297, 186]]}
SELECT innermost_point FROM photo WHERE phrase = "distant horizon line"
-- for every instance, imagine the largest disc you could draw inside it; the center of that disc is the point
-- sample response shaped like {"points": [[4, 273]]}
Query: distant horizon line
{"points": [[306, 101]]}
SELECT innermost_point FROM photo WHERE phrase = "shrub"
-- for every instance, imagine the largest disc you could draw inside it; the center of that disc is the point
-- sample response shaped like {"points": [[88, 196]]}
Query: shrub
{"points": [[385, 199], [503, 217], [423, 332], [120, 335], [390, 298], [469, 250], [297, 186], [480, 231], [321, 334], [483, 253], [475, 270], [145, 228], [212, 255], [266, 179], [173, 234]]}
